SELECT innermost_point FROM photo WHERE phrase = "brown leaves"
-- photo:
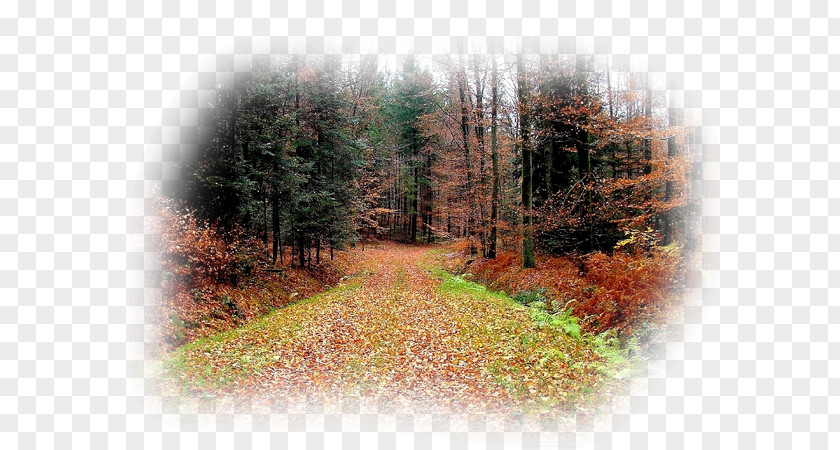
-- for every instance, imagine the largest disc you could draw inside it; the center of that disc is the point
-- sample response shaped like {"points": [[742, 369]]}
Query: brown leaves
{"points": [[619, 291], [200, 263], [395, 335]]}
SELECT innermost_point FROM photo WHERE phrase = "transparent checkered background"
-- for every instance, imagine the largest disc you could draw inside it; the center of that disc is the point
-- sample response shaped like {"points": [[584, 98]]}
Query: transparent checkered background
{"points": [[94, 98]]}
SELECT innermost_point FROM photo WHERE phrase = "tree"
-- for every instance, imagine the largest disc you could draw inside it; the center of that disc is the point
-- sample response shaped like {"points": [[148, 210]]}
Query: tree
{"points": [[304, 154], [525, 133], [411, 99], [494, 151]]}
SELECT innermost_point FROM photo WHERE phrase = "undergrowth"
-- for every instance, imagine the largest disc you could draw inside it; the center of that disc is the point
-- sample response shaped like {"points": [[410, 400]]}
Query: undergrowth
{"points": [[547, 365], [620, 361], [211, 282], [625, 292]]}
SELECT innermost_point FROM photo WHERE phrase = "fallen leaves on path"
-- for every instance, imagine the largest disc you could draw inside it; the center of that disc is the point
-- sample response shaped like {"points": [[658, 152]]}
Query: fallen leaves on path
{"points": [[396, 332]]}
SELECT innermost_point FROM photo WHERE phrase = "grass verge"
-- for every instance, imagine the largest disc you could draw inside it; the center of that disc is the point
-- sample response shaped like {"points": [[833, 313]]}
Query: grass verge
{"points": [[543, 359]]}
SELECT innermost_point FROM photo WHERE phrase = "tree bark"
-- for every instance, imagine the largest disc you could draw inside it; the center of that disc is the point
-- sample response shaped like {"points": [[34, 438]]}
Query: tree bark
{"points": [[528, 259], [673, 119], [275, 218], [414, 203], [465, 134], [301, 250], [482, 174], [648, 154], [584, 162], [494, 149]]}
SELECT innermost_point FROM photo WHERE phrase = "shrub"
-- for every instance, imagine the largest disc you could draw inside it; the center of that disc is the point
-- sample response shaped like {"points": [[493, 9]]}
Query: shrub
{"points": [[208, 279], [623, 291], [630, 287], [563, 320], [194, 253], [528, 297]]}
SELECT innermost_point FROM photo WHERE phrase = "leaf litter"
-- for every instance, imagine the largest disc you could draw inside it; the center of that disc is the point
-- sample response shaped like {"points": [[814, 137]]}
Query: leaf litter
{"points": [[401, 332]]}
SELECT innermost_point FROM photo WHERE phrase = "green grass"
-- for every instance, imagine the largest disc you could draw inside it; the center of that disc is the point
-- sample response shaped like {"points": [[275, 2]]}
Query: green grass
{"points": [[552, 340]]}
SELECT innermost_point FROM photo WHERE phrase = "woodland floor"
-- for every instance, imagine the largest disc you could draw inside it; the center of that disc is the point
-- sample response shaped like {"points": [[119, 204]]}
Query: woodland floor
{"points": [[400, 331]]}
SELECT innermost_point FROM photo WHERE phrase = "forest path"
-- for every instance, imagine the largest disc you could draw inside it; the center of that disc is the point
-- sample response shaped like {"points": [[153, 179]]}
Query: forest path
{"points": [[399, 331]]}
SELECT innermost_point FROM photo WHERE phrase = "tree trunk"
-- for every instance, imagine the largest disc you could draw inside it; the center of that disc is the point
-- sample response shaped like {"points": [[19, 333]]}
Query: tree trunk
{"points": [[673, 119], [275, 226], [465, 135], [265, 219], [301, 254], [648, 155], [482, 175], [528, 259], [494, 207], [613, 156], [583, 133], [414, 204], [584, 162]]}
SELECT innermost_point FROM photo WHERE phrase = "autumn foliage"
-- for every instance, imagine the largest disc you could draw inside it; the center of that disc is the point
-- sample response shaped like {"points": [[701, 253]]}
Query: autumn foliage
{"points": [[401, 332], [196, 253], [212, 279], [623, 291], [564, 181]]}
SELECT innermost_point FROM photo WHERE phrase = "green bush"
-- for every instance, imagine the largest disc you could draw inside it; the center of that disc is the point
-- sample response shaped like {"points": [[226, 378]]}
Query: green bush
{"points": [[563, 320], [528, 297]]}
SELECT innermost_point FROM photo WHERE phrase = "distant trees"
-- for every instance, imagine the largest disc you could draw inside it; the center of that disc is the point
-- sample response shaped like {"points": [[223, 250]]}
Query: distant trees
{"points": [[560, 153], [411, 98]]}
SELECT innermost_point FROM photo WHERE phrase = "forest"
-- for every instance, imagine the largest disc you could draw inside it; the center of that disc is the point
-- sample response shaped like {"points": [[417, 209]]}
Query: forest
{"points": [[562, 182]]}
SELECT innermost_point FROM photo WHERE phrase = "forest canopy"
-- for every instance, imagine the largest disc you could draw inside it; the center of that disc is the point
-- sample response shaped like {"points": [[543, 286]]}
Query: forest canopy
{"points": [[559, 154]]}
